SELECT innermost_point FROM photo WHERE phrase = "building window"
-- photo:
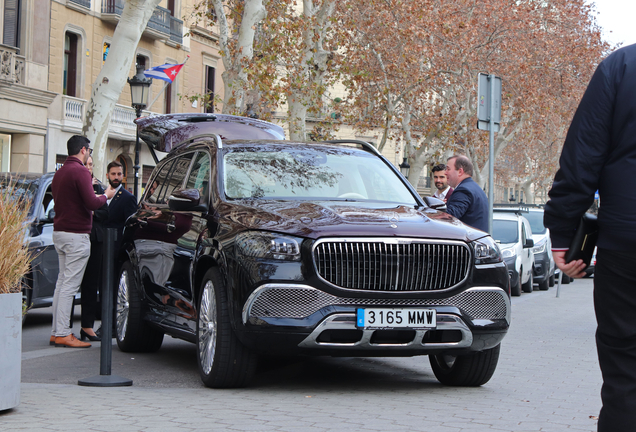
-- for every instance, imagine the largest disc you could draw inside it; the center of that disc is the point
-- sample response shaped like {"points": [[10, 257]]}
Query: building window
{"points": [[209, 89], [168, 97], [146, 170], [59, 161], [105, 51], [142, 61], [11, 29], [5, 153], [70, 64]]}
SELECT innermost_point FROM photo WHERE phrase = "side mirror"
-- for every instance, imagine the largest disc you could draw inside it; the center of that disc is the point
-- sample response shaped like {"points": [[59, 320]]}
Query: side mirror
{"points": [[186, 200], [529, 243], [435, 203]]}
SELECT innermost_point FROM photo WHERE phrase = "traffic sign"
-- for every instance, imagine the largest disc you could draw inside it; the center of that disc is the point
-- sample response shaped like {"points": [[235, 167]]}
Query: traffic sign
{"points": [[484, 95]]}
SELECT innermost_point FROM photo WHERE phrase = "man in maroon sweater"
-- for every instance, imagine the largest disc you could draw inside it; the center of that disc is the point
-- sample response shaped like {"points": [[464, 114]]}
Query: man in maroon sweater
{"points": [[75, 201]]}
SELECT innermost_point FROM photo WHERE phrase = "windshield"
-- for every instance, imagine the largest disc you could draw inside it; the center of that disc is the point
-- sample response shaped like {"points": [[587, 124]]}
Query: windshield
{"points": [[311, 173], [20, 189], [505, 231], [536, 221]]}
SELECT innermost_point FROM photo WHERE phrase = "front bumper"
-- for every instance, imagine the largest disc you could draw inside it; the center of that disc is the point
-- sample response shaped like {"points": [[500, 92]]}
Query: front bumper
{"points": [[541, 267], [512, 270], [315, 322]]}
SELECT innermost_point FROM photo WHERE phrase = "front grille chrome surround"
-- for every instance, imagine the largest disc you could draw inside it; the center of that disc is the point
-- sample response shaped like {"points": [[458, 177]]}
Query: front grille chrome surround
{"points": [[392, 264]]}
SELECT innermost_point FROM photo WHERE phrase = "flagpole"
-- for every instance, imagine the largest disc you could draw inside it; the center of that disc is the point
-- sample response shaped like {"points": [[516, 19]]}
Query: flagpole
{"points": [[164, 87]]}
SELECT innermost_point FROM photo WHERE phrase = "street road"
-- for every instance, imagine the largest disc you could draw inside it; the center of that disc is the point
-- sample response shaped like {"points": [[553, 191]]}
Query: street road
{"points": [[547, 380]]}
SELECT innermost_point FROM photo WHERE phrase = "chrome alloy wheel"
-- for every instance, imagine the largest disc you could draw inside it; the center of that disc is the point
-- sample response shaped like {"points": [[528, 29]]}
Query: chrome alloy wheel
{"points": [[207, 331], [123, 304]]}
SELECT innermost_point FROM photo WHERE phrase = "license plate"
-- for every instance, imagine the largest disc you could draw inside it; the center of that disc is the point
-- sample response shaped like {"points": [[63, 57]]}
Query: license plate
{"points": [[396, 318]]}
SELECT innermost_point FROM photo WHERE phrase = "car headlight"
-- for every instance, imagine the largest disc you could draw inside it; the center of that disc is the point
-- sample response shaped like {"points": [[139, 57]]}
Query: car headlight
{"points": [[508, 253], [540, 246], [257, 244], [486, 251]]}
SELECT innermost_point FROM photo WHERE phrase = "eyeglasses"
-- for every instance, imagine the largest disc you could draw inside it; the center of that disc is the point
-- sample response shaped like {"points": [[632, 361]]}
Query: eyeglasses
{"points": [[89, 150]]}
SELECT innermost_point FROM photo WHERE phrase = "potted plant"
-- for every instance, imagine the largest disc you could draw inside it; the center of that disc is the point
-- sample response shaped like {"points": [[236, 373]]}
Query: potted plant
{"points": [[14, 263]]}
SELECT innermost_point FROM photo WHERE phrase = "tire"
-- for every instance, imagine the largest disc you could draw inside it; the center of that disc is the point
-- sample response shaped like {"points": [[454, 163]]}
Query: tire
{"points": [[222, 360], [515, 290], [134, 334], [527, 287], [470, 370], [565, 279], [552, 281], [544, 285]]}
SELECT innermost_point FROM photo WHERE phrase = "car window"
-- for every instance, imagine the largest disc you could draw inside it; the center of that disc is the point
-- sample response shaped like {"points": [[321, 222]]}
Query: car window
{"points": [[505, 231], [21, 189], [177, 174], [199, 177], [47, 202], [528, 230], [280, 172], [158, 184], [524, 232], [536, 221]]}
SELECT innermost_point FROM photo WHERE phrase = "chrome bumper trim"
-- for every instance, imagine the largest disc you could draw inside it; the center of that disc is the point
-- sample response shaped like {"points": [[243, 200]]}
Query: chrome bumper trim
{"points": [[348, 322]]}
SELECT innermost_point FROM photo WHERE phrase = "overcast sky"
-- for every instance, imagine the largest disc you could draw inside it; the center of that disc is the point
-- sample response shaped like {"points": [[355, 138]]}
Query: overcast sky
{"points": [[619, 17]]}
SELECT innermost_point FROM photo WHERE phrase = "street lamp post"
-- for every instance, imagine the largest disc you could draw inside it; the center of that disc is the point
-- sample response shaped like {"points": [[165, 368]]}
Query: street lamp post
{"points": [[405, 167], [139, 86]]}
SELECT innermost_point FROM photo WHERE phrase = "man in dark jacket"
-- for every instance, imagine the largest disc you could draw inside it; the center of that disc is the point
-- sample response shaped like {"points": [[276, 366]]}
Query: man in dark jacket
{"points": [[469, 202], [600, 154], [74, 202], [120, 207]]}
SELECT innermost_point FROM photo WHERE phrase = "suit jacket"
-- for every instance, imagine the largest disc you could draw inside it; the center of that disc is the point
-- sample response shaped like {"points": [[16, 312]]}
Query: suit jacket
{"points": [[469, 204], [121, 207]]}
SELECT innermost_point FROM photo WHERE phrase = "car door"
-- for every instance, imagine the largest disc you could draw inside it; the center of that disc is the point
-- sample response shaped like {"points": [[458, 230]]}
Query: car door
{"points": [[527, 255], [45, 265], [155, 238]]}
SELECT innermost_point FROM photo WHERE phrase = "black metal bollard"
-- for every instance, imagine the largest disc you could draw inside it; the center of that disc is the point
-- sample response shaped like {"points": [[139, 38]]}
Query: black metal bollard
{"points": [[105, 379]]}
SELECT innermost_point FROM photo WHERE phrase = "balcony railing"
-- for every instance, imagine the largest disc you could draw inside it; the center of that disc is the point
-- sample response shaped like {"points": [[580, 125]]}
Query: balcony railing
{"points": [[161, 23], [84, 3], [160, 20], [121, 125], [11, 65], [176, 30]]}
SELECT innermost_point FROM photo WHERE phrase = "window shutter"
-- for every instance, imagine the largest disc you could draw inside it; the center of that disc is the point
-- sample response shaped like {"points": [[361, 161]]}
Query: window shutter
{"points": [[11, 20]]}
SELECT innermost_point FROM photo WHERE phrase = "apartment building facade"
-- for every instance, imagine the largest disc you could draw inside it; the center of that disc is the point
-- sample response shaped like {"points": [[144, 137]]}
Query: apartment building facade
{"points": [[51, 53]]}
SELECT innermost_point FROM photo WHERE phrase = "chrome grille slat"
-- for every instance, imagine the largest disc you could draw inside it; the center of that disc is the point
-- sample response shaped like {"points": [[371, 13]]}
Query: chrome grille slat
{"points": [[376, 264]]}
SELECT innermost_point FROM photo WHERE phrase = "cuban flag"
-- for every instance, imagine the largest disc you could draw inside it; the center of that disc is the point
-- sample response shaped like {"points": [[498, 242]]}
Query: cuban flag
{"points": [[166, 72]]}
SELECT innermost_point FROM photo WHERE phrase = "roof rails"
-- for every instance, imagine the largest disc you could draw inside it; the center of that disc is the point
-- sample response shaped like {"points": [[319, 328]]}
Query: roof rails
{"points": [[366, 145], [508, 208]]}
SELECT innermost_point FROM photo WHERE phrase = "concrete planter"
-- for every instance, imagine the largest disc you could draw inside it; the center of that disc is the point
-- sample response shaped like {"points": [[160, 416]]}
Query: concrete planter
{"points": [[11, 349]]}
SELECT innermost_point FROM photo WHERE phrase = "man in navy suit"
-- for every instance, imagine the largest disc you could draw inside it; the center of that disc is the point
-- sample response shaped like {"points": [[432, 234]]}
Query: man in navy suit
{"points": [[122, 205], [469, 202], [120, 208]]}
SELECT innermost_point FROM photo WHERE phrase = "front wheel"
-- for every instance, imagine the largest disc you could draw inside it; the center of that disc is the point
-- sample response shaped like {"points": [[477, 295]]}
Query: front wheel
{"points": [[469, 370], [527, 287], [134, 334], [222, 359], [552, 281], [544, 285]]}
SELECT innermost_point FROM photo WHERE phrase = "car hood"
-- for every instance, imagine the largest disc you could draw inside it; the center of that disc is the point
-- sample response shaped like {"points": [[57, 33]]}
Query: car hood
{"points": [[347, 219]]}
